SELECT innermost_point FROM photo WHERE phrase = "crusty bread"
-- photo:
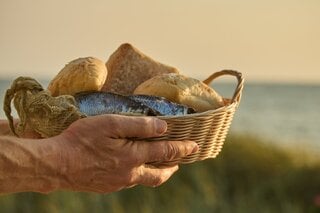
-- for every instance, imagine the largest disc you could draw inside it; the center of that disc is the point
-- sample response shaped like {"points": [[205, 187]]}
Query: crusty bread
{"points": [[82, 74], [183, 90], [128, 67]]}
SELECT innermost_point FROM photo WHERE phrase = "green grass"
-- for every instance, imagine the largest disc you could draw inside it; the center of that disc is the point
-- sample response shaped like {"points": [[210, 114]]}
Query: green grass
{"points": [[247, 176]]}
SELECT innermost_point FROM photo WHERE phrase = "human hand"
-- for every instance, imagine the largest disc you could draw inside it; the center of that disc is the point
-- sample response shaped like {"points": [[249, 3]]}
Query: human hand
{"points": [[96, 154]]}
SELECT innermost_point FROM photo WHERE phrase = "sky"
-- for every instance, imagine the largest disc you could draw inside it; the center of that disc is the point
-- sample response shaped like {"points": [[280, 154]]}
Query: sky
{"points": [[268, 41]]}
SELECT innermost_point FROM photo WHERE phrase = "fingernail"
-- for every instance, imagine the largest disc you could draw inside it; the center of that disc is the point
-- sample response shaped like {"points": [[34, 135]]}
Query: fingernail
{"points": [[193, 148], [161, 126]]}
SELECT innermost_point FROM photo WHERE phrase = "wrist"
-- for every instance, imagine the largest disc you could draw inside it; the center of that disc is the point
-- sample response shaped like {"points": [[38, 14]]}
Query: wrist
{"points": [[28, 165], [55, 154], [46, 162]]}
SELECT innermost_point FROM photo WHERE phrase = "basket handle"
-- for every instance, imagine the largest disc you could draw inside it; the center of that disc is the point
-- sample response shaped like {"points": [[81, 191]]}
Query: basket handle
{"points": [[238, 91]]}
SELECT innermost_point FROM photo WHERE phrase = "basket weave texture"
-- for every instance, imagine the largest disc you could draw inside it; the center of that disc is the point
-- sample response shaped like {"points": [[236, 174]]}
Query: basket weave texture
{"points": [[208, 129]]}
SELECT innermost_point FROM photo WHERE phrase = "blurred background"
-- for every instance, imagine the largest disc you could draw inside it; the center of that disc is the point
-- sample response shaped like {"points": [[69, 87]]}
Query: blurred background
{"points": [[270, 159]]}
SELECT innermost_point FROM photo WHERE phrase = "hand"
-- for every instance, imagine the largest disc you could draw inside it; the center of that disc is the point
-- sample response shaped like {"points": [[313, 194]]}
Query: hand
{"points": [[98, 156]]}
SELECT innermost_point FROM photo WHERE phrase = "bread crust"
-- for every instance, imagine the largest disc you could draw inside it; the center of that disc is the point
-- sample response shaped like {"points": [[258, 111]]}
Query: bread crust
{"points": [[128, 68], [82, 74], [181, 89]]}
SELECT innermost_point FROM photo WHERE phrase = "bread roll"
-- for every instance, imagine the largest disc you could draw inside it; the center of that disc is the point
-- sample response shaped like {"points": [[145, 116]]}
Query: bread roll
{"points": [[82, 74], [128, 67], [183, 90]]}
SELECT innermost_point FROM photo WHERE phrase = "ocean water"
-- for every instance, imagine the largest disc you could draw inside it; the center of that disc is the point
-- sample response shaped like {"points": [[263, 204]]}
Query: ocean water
{"points": [[288, 115]]}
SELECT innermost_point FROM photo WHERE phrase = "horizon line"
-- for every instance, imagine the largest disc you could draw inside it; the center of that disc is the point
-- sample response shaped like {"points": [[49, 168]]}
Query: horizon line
{"points": [[221, 81]]}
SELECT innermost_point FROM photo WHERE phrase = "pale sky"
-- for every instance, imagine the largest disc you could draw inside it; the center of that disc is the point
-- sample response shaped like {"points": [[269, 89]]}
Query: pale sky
{"points": [[266, 40]]}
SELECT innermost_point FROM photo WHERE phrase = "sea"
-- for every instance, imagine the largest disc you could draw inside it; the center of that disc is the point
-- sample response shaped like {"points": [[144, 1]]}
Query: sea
{"points": [[287, 115]]}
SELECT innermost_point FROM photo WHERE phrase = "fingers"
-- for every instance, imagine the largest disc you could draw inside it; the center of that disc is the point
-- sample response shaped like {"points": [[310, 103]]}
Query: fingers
{"points": [[147, 152], [128, 126], [149, 175]]}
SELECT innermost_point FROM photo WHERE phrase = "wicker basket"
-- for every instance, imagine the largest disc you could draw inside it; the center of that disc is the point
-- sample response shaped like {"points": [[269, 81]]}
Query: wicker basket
{"points": [[208, 129]]}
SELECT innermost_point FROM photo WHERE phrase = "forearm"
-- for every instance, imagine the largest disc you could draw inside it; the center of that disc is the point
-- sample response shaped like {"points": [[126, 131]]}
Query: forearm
{"points": [[28, 165]]}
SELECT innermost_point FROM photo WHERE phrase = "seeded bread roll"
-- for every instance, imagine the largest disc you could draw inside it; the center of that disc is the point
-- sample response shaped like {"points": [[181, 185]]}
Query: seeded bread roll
{"points": [[128, 68], [82, 74], [183, 90]]}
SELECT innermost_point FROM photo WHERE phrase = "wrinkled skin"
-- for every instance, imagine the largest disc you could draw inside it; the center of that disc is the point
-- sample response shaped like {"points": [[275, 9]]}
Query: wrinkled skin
{"points": [[106, 161], [93, 155]]}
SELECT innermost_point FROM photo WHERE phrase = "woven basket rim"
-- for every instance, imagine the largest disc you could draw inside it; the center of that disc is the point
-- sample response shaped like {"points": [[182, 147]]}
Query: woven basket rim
{"points": [[212, 111]]}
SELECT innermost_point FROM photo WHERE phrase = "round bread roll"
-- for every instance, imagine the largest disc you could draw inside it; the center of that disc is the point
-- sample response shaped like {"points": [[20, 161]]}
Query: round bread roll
{"points": [[183, 90], [82, 74]]}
